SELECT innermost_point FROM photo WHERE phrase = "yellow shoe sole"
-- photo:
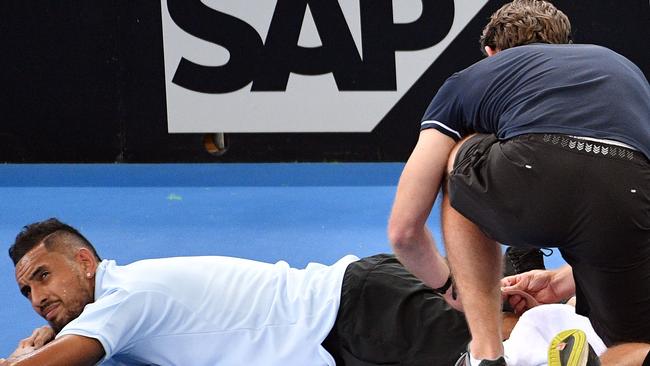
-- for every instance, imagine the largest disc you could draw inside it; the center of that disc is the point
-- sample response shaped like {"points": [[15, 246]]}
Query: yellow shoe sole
{"points": [[568, 348]]}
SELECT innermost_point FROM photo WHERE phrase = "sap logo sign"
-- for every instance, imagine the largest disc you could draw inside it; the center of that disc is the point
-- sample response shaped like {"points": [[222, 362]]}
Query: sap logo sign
{"points": [[299, 65], [268, 63]]}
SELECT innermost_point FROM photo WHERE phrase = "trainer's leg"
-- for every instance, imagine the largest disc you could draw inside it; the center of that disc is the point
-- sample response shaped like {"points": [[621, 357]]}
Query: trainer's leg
{"points": [[626, 354], [475, 262]]}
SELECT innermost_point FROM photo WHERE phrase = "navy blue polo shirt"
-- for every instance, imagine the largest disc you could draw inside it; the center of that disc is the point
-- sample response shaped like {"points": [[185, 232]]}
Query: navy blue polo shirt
{"points": [[581, 90]]}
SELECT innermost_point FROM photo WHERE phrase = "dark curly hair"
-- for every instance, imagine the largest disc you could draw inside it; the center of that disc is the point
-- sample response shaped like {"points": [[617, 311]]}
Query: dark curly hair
{"points": [[522, 22], [49, 232]]}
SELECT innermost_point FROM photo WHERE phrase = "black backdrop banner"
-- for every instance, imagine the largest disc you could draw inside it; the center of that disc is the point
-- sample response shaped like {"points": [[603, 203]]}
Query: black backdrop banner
{"points": [[85, 82]]}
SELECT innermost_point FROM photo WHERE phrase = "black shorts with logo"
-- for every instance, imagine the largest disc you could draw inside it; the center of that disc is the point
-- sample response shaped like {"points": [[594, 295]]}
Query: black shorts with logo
{"points": [[389, 317], [589, 199]]}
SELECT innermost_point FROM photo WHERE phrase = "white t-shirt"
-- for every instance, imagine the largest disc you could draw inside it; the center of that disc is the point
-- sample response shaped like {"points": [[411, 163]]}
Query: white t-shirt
{"points": [[212, 311]]}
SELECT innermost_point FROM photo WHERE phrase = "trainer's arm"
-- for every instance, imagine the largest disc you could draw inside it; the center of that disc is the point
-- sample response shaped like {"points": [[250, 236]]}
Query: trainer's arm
{"points": [[69, 350], [418, 187]]}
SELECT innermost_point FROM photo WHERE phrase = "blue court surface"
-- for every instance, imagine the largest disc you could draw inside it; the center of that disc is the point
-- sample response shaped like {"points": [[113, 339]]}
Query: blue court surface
{"points": [[268, 212]]}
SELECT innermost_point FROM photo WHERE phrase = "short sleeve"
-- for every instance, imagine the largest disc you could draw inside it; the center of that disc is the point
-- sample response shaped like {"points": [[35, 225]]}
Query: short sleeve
{"points": [[445, 112], [115, 320]]}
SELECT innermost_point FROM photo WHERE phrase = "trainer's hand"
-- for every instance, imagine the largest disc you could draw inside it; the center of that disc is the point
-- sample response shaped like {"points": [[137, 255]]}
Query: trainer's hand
{"points": [[40, 337], [453, 298], [537, 283]]}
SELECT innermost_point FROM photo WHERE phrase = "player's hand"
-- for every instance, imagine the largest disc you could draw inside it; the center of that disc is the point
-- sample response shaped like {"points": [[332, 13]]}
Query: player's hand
{"points": [[528, 299], [537, 283], [40, 337]]}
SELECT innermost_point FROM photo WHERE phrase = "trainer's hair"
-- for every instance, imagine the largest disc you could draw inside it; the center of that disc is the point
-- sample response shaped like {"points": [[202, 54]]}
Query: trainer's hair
{"points": [[522, 22], [51, 233]]}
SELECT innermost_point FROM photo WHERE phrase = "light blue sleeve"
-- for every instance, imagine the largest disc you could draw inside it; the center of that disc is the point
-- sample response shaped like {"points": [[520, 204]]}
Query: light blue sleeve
{"points": [[117, 321]]}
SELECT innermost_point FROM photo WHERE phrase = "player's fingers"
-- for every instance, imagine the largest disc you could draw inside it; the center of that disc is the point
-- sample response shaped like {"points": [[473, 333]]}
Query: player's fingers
{"points": [[514, 299], [520, 306], [26, 342], [45, 335], [39, 341], [29, 341]]}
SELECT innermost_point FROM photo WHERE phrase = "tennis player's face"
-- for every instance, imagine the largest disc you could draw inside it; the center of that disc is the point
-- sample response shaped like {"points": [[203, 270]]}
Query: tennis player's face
{"points": [[55, 284]]}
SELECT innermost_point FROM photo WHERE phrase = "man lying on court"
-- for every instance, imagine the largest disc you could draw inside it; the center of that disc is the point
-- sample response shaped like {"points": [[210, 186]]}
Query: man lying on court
{"points": [[226, 311], [229, 311]]}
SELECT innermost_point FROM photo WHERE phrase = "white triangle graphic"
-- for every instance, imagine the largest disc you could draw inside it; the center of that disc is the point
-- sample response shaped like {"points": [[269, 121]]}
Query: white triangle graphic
{"points": [[310, 103], [309, 33]]}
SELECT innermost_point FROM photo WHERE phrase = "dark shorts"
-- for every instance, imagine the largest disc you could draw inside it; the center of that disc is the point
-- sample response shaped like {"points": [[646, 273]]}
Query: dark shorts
{"points": [[389, 317], [589, 199]]}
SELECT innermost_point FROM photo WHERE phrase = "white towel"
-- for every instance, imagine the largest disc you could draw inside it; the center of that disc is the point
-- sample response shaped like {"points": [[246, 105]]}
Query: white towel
{"points": [[531, 336]]}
